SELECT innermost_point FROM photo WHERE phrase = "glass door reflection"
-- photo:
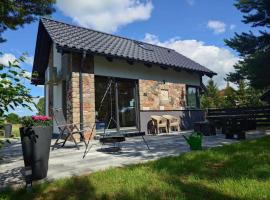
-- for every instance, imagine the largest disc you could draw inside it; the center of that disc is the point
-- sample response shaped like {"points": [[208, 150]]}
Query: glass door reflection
{"points": [[119, 109], [126, 103]]}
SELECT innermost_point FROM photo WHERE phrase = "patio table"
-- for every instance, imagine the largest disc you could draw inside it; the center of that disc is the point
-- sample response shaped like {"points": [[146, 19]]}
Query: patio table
{"points": [[112, 139], [228, 118], [121, 137], [232, 124]]}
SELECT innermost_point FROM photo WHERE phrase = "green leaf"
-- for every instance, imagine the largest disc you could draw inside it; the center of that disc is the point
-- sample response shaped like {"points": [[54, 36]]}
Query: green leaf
{"points": [[4, 75], [12, 107], [15, 73]]}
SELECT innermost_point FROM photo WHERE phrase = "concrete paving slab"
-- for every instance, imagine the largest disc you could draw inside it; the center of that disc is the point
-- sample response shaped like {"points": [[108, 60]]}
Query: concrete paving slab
{"points": [[68, 161]]}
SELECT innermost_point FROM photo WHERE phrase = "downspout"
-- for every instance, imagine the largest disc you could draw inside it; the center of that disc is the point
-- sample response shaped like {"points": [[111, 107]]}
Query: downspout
{"points": [[81, 90], [200, 92]]}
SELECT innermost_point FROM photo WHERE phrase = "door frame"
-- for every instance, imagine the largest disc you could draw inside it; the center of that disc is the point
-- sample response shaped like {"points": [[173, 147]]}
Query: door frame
{"points": [[136, 98]]}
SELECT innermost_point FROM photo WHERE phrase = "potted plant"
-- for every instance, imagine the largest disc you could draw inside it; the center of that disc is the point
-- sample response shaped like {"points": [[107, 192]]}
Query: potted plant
{"points": [[194, 140], [36, 135]]}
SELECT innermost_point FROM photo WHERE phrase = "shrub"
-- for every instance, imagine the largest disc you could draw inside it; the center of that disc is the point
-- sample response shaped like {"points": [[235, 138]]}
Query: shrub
{"points": [[13, 118]]}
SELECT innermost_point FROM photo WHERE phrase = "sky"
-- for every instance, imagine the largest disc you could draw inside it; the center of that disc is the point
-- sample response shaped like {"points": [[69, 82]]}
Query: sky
{"points": [[194, 28]]}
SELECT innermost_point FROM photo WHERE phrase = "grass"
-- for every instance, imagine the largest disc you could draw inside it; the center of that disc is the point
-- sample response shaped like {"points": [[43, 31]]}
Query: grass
{"points": [[239, 171], [15, 130]]}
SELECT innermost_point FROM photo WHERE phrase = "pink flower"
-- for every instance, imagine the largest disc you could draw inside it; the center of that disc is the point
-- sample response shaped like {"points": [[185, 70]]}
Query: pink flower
{"points": [[35, 118], [41, 118]]}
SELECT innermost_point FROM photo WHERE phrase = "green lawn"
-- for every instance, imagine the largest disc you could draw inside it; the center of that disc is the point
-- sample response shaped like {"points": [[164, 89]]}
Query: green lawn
{"points": [[240, 171], [15, 130]]}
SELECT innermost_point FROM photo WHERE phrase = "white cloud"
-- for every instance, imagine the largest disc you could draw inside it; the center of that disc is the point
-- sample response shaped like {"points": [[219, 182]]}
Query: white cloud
{"points": [[190, 2], [27, 74], [220, 60], [217, 26], [7, 57], [106, 15], [29, 60]]}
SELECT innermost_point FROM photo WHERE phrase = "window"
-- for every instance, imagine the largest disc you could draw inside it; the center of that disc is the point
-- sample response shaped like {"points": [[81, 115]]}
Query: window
{"points": [[144, 46], [192, 97]]}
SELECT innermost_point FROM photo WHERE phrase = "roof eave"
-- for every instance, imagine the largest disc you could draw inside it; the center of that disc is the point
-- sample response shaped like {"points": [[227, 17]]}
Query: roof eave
{"points": [[41, 58], [65, 48], [210, 74]]}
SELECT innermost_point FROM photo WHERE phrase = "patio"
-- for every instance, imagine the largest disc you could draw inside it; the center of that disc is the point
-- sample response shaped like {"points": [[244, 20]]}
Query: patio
{"points": [[68, 161]]}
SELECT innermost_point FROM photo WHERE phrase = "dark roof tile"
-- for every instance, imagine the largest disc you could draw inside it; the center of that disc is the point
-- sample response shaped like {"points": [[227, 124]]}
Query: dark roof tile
{"points": [[70, 36]]}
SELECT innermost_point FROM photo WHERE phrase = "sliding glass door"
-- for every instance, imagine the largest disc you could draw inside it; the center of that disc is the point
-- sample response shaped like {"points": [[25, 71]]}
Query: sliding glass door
{"points": [[105, 102], [126, 103], [116, 105]]}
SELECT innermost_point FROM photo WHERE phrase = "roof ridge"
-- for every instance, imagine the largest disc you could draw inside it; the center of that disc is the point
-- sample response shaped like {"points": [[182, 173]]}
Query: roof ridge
{"points": [[118, 36]]}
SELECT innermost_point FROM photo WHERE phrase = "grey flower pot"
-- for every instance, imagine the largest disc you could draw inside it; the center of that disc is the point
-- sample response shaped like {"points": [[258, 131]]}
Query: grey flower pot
{"points": [[36, 142], [8, 130]]}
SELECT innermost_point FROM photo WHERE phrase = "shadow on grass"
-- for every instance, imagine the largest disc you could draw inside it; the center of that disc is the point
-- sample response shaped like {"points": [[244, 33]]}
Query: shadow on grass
{"points": [[249, 159], [73, 188], [82, 189], [181, 191], [167, 178], [194, 191]]}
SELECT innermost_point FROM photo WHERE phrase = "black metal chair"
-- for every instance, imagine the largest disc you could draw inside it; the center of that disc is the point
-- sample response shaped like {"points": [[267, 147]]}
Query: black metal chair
{"points": [[66, 130]]}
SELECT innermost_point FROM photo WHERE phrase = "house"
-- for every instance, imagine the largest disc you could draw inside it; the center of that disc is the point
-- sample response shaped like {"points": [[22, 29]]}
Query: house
{"points": [[78, 66]]}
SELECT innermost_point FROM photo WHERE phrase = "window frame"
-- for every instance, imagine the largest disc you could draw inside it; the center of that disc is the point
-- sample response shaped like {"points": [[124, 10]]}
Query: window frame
{"points": [[197, 88]]}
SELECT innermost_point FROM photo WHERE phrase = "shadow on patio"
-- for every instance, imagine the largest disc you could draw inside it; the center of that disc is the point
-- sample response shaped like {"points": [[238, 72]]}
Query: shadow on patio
{"points": [[67, 162]]}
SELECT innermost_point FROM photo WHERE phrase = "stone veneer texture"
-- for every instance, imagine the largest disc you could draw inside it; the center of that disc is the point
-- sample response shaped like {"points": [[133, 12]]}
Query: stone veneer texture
{"points": [[156, 95], [73, 100]]}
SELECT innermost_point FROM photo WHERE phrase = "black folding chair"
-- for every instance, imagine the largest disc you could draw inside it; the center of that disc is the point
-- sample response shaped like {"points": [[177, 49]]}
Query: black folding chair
{"points": [[67, 130]]}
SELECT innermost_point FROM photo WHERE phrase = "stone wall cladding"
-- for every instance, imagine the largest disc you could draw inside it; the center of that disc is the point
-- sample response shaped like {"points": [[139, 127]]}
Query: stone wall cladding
{"points": [[89, 102], [73, 101], [150, 92]]}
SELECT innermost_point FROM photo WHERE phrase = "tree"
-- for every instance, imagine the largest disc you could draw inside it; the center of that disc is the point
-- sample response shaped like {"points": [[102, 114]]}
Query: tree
{"points": [[241, 94], [41, 106], [229, 97], [254, 49], [211, 98], [13, 118], [16, 13], [12, 90], [247, 96], [254, 97]]}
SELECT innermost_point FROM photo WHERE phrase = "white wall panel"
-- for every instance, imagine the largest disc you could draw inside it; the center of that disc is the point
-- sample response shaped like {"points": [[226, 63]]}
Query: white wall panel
{"points": [[121, 69]]}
